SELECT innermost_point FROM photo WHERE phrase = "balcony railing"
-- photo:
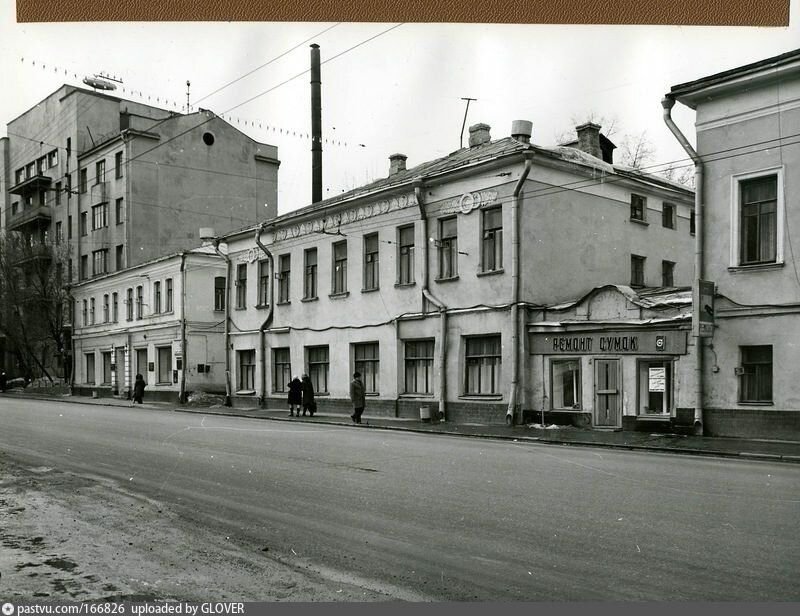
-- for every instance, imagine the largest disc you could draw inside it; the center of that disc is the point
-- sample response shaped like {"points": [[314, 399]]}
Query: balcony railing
{"points": [[35, 214], [32, 184], [28, 254]]}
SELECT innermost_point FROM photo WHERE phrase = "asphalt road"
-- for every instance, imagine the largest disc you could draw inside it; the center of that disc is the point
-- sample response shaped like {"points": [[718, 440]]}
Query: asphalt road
{"points": [[430, 517]]}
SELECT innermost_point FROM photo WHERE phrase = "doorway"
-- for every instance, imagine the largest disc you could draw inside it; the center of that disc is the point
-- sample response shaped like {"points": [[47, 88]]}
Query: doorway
{"points": [[607, 394]]}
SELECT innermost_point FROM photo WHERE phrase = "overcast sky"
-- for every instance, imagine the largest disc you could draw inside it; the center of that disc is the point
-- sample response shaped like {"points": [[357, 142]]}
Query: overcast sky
{"points": [[400, 92]]}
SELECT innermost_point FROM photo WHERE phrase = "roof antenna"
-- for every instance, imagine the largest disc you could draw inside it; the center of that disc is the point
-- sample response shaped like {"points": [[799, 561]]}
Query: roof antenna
{"points": [[188, 85], [464, 123]]}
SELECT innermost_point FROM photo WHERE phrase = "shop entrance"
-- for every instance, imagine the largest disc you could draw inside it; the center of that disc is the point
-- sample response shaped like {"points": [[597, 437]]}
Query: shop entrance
{"points": [[607, 393]]}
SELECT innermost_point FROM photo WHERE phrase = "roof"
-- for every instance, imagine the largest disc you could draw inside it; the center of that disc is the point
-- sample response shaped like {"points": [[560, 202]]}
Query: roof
{"points": [[654, 298]]}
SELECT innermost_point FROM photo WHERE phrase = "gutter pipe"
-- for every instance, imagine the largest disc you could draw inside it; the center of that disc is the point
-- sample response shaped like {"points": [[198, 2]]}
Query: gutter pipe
{"points": [[699, 270], [268, 320], [227, 322], [184, 349], [441, 357], [513, 405]]}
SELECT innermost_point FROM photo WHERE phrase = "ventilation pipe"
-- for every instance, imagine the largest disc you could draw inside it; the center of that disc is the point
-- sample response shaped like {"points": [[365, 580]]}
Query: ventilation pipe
{"points": [[441, 357], [699, 270], [515, 258], [268, 320], [227, 321], [316, 126]]}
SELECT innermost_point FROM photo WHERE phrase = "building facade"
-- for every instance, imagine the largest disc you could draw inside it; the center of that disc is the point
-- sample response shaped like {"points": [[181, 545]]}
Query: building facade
{"points": [[157, 319], [422, 281], [747, 124]]}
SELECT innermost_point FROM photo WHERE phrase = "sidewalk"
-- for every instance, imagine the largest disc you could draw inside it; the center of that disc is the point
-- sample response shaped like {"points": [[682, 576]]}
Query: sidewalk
{"points": [[781, 451]]}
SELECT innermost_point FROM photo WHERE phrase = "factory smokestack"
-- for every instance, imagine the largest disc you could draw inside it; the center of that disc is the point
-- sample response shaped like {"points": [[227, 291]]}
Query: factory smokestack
{"points": [[316, 126]]}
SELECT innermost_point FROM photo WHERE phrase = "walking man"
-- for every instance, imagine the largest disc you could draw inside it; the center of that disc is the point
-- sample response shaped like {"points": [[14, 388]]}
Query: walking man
{"points": [[357, 397]]}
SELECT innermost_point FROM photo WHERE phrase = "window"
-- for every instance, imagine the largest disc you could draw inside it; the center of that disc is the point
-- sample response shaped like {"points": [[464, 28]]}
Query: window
{"points": [[219, 293], [119, 256], [129, 304], [448, 247], [655, 387], [118, 210], [58, 193], [284, 277], [310, 281], [367, 362], [405, 260], [105, 308], [43, 198], [247, 370], [85, 313], [91, 312], [281, 370], [565, 384], [106, 367], [263, 283], [41, 165], [99, 216], [318, 367], [69, 270], [339, 285], [118, 165], [637, 271], [667, 274], [668, 215], [59, 233], [90, 369], [84, 273], [418, 367], [164, 355], [15, 208], [68, 177], [52, 158], [69, 227], [157, 297], [492, 247], [168, 302], [755, 382], [483, 362], [758, 220], [371, 268], [30, 170], [99, 262], [84, 224], [638, 208], [139, 302], [691, 223], [241, 285], [19, 176], [100, 171], [114, 307], [83, 181]]}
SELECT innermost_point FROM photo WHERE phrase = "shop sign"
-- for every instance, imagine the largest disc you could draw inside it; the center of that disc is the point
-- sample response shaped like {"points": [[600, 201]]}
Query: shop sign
{"points": [[703, 309], [657, 379], [468, 202], [609, 342]]}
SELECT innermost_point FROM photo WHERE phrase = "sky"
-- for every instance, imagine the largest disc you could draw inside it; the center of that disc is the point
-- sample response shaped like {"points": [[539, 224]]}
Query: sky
{"points": [[386, 88]]}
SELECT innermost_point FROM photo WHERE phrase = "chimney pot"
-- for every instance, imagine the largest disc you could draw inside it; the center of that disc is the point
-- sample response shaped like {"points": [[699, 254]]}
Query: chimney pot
{"points": [[589, 139], [479, 134], [522, 130], [397, 163]]}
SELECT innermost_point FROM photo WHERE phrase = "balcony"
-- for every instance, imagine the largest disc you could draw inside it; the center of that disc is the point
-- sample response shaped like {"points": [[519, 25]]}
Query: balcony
{"points": [[30, 254], [98, 194], [28, 216], [31, 185]]}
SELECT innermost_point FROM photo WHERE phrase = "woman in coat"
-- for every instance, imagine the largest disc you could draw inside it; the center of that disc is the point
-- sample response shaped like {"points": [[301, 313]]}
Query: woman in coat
{"points": [[295, 396], [308, 396], [138, 389]]}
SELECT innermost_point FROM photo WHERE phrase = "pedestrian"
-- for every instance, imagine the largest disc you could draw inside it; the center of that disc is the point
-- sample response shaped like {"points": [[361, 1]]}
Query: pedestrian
{"points": [[138, 390], [3, 381], [357, 397], [308, 396], [295, 396]]}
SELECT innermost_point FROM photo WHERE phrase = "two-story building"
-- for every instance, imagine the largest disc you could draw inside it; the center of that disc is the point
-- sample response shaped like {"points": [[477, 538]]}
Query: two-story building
{"points": [[421, 280], [748, 158], [157, 319]]}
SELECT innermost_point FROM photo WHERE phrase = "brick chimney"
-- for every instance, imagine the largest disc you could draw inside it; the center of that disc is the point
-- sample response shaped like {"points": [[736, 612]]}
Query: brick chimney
{"points": [[397, 163], [479, 134], [589, 139]]}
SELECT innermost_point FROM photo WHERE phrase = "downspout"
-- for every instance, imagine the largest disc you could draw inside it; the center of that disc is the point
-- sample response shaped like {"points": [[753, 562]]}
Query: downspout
{"points": [[699, 270], [268, 320], [511, 411], [184, 349], [441, 357], [227, 322], [71, 299]]}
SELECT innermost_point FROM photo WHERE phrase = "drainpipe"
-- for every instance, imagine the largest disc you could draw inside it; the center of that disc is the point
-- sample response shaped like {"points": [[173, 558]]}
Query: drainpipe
{"points": [[184, 349], [227, 322], [268, 320], [511, 411], [699, 270], [441, 357]]}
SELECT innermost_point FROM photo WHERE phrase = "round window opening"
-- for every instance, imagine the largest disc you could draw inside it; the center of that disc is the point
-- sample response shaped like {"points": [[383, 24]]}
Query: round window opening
{"points": [[208, 138]]}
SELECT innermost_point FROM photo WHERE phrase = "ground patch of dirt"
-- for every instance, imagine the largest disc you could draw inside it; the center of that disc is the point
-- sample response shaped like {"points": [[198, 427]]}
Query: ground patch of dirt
{"points": [[70, 537]]}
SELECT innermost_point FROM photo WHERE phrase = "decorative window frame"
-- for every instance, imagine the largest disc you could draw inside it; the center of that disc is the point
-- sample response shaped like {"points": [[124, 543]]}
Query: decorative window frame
{"points": [[735, 214]]}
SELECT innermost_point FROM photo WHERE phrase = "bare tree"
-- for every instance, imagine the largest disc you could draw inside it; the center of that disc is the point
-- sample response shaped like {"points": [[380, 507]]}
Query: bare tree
{"points": [[637, 151], [683, 174]]}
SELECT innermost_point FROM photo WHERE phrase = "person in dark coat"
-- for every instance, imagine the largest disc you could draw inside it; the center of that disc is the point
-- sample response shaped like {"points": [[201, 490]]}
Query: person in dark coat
{"points": [[295, 396], [138, 390], [3, 381], [308, 396], [357, 397]]}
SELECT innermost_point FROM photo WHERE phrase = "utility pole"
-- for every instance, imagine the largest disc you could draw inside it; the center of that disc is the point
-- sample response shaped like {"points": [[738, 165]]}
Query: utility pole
{"points": [[188, 85], [464, 123]]}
